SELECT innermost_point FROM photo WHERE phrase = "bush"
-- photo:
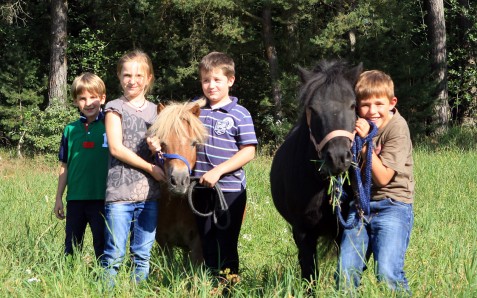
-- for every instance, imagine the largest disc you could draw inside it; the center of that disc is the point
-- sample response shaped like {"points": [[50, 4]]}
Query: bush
{"points": [[462, 138], [43, 129]]}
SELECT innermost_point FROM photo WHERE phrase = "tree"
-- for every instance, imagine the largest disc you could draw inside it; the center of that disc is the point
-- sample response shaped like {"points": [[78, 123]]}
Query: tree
{"points": [[437, 35], [271, 54], [58, 68], [12, 11], [462, 60]]}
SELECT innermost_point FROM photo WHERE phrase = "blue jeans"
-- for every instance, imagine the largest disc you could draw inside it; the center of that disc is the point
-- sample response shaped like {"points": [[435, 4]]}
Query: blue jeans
{"points": [[385, 233], [140, 219]]}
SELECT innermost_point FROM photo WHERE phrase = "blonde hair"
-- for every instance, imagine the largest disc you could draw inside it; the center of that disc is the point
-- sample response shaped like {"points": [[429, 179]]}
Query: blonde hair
{"points": [[218, 60], [177, 119], [374, 83], [143, 58], [87, 82]]}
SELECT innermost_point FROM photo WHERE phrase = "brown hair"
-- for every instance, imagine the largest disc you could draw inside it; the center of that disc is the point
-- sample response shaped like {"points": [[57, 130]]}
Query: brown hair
{"points": [[374, 83], [220, 60], [87, 82], [141, 57]]}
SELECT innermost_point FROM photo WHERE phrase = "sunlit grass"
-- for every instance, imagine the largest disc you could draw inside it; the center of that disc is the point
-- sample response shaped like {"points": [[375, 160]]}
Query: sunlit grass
{"points": [[441, 260]]}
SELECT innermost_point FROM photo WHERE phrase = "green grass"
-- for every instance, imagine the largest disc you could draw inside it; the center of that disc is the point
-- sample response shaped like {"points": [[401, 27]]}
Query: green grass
{"points": [[441, 260]]}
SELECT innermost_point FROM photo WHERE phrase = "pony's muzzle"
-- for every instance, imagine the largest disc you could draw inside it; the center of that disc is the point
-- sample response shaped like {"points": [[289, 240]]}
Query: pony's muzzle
{"points": [[338, 158], [179, 181]]}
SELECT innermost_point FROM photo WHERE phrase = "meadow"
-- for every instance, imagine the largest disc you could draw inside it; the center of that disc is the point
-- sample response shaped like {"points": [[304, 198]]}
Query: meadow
{"points": [[441, 260]]}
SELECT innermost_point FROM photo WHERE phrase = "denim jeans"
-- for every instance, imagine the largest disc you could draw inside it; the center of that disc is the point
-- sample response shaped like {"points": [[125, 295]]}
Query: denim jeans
{"points": [[140, 219], [384, 233]]}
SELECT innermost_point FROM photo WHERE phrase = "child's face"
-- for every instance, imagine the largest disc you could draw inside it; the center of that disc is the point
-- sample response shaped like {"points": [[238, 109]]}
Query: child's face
{"points": [[377, 109], [216, 85], [134, 79], [89, 104]]}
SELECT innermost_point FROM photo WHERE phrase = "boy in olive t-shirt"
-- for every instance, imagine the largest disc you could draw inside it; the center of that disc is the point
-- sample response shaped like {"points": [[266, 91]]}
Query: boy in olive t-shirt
{"points": [[386, 231]]}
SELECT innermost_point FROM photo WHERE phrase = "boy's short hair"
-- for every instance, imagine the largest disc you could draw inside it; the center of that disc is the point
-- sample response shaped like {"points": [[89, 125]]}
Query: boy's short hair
{"points": [[87, 82], [373, 83], [218, 59]]}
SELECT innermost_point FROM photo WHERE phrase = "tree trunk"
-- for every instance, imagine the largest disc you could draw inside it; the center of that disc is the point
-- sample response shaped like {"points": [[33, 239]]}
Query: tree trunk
{"points": [[437, 34], [58, 68], [271, 54], [468, 112]]}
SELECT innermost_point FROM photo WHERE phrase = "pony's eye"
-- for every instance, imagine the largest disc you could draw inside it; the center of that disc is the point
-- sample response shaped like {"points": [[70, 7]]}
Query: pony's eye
{"points": [[194, 143], [353, 106]]}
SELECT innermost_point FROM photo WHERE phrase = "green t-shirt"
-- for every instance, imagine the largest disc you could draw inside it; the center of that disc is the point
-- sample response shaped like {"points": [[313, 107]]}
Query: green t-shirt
{"points": [[84, 148]]}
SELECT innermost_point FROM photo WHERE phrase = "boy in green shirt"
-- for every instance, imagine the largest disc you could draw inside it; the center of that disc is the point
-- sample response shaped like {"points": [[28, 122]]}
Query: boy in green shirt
{"points": [[84, 155]]}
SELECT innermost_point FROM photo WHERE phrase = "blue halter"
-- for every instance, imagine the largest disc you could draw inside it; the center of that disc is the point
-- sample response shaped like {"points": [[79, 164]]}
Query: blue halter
{"points": [[160, 159], [363, 188]]}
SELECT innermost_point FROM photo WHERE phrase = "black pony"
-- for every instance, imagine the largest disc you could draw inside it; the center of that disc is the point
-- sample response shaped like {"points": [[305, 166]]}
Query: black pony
{"points": [[315, 149]]}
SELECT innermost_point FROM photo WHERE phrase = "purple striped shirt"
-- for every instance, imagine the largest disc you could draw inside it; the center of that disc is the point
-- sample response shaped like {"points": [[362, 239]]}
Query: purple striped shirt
{"points": [[229, 127]]}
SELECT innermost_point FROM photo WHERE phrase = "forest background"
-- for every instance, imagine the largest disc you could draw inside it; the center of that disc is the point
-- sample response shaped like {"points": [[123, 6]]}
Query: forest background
{"points": [[428, 47]]}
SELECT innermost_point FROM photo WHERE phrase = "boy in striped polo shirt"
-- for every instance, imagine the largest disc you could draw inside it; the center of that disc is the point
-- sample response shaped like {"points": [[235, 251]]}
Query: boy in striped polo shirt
{"points": [[231, 145]]}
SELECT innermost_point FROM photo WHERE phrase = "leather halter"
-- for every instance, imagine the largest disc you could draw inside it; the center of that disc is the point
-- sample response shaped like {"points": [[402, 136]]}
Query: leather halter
{"points": [[333, 134]]}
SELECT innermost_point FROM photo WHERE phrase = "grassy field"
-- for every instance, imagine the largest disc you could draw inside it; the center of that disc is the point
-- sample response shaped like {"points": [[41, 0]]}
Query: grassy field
{"points": [[441, 260]]}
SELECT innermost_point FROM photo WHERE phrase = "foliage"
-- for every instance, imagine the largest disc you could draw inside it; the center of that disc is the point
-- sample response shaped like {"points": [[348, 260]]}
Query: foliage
{"points": [[464, 138], [386, 35], [86, 53], [390, 35], [20, 91], [44, 128], [462, 60]]}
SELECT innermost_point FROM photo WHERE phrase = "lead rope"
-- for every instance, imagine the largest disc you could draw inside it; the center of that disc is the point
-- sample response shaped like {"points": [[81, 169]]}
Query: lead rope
{"points": [[219, 208], [363, 188]]}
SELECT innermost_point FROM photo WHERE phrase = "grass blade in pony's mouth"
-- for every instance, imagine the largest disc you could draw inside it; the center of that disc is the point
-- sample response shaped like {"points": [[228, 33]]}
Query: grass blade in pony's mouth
{"points": [[335, 188]]}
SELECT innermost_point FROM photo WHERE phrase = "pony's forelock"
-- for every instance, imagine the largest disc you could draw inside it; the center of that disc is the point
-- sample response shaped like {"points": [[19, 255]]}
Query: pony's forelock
{"points": [[325, 72], [170, 121]]}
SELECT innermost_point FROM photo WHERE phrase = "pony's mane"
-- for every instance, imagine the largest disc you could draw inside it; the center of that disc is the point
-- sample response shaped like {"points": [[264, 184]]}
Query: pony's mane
{"points": [[324, 73], [176, 118]]}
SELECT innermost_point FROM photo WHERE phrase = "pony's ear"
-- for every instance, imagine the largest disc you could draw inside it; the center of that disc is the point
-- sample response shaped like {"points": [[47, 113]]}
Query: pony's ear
{"points": [[352, 75], [304, 74], [160, 107], [202, 101], [195, 109]]}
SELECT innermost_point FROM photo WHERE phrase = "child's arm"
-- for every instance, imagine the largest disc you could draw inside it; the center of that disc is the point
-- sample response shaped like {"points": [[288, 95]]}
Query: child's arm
{"points": [[114, 134], [382, 175], [241, 158], [62, 181]]}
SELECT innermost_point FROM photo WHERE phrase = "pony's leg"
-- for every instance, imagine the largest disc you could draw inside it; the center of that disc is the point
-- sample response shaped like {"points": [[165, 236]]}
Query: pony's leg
{"points": [[195, 253], [306, 243], [166, 250]]}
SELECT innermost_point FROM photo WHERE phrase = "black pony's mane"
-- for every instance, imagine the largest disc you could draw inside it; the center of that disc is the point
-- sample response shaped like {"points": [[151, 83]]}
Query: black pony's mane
{"points": [[325, 73]]}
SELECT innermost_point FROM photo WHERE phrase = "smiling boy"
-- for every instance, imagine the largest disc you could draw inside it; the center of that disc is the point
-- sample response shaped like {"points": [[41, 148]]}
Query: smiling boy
{"points": [[230, 146], [386, 231], [84, 164]]}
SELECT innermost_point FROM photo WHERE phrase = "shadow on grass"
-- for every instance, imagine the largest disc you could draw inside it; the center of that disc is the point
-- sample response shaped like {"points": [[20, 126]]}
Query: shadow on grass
{"points": [[460, 138]]}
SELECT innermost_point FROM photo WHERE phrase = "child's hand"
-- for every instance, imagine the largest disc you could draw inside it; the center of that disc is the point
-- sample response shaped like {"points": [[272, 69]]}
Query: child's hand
{"points": [[154, 144], [158, 173], [362, 127], [210, 178], [59, 209]]}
